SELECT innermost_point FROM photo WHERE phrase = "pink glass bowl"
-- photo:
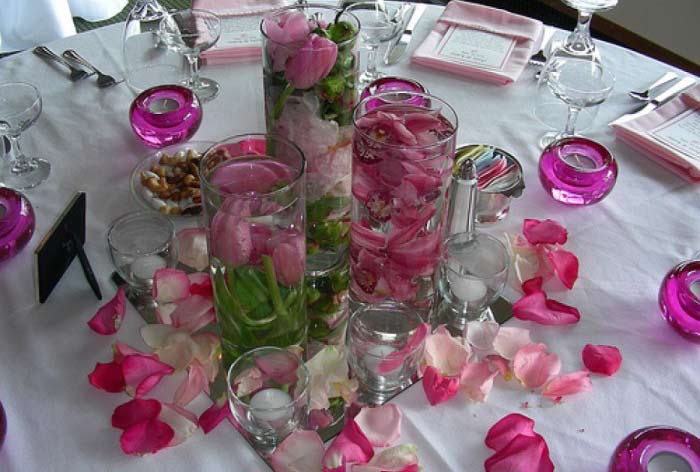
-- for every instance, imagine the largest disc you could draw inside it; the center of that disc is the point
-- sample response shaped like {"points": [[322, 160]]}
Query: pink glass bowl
{"points": [[3, 425], [679, 299], [577, 171], [394, 84], [16, 222], [657, 448], [165, 115]]}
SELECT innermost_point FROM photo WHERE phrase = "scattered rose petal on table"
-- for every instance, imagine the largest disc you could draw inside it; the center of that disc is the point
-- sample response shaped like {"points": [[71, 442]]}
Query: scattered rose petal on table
{"points": [[444, 352], [507, 428], [192, 248], [522, 454], [381, 425], [109, 317], [146, 437], [194, 313], [476, 380], [439, 388], [142, 373], [301, 451], [536, 307], [215, 414], [194, 383], [319, 419], [108, 377], [401, 458], [567, 384], [170, 285], [482, 334], [544, 232], [599, 359], [183, 422], [135, 411], [565, 265], [533, 366], [350, 446], [509, 340]]}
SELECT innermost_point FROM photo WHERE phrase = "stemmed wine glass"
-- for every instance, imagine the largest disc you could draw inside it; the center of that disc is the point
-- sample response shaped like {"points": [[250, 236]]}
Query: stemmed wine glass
{"points": [[579, 83], [20, 107], [190, 32], [579, 43], [378, 24]]}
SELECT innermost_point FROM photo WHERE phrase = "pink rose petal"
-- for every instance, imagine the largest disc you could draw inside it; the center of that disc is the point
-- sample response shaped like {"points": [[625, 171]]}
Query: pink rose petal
{"points": [[507, 428], [192, 248], [401, 458], [170, 285], [146, 437], [301, 451], [208, 353], [482, 334], [108, 377], [381, 425], [439, 388], [445, 353], [476, 380], [200, 284], [278, 366], [567, 384], [319, 419], [544, 232], [193, 314], [215, 414], [536, 307], [501, 364], [109, 317], [183, 422], [533, 285], [350, 446], [195, 383], [395, 359], [522, 454], [565, 265], [509, 340], [135, 411], [533, 366], [142, 373], [605, 360], [120, 350]]}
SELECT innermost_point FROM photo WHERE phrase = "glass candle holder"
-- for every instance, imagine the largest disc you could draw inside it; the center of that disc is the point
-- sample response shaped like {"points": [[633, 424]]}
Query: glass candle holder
{"points": [[3, 425], [16, 222], [577, 171], [679, 299], [140, 243], [268, 390], [253, 197], [165, 115], [394, 84], [382, 351], [657, 449]]}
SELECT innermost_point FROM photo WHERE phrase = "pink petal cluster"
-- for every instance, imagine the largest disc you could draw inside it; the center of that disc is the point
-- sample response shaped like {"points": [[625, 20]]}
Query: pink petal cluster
{"points": [[329, 378], [192, 248], [518, 447], [109, 317], [535, 306], [604, 360]]}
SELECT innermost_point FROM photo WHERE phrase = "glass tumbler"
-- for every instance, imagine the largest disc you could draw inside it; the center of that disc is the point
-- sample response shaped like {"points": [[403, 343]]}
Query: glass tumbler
{"points": [[384, 349], [268, 390]]}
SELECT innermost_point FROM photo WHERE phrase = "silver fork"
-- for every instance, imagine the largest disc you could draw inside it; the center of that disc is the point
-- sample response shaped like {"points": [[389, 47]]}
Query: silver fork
{"points": [[646, 95], [46, 53], [103, 80]]}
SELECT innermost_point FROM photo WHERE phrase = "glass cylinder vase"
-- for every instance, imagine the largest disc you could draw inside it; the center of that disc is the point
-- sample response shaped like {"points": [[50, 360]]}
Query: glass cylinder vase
{"points": [[402, 161], [253, 197]]}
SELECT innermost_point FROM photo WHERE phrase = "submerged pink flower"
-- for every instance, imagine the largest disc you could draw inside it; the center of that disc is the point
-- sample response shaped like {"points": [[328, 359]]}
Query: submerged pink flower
{"points": [[567, 384], [109, 317], [311, 63], [287, 32], [230, 239], [396, 359], [605, 360], [533, 366], [288, 258]]}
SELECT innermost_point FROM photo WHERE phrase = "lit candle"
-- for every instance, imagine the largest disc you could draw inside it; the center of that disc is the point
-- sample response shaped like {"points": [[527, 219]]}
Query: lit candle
{"points": [[374, 356], [668, 461], [143, 268], [269, 399]]}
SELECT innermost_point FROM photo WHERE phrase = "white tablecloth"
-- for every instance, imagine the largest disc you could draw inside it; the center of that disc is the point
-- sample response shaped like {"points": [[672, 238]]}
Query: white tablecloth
{"points": [[57, 421]]}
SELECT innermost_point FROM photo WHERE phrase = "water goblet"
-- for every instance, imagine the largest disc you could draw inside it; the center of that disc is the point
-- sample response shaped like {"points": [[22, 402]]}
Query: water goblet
{"points": [[378, 25], [191, 32], [579, 43], [268, 391], [20, 107], [580, 84]]}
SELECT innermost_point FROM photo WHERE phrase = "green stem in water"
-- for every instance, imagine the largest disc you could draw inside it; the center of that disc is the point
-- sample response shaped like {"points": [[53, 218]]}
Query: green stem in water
{"points": [[281, 100], [272, 285]]}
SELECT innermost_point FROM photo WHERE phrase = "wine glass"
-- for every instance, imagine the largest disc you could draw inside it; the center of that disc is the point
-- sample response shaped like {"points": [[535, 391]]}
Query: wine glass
{"points": [[580, 84], [579, 43], [379, 23], [190, 32], [20, 107]]}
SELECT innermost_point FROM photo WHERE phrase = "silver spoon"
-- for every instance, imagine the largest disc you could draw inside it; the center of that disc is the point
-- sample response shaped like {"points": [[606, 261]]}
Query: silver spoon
{"points": [[46, 53], [103, 80], [646, 95]]}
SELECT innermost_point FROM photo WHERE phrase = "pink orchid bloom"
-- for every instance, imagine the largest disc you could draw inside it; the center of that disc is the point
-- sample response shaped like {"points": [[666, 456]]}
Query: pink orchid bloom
{"points": [[215, 414], [301, 451], [195, 383], [396, 359], [522, 454], [311, 63], [330, 374], [476, 380], [533, 366], [364, 237], [567, 384], [170, 285], [526, 259], [387, 127], [253, 146], [183, 422], [401, 458], [419, 256], [605, 360], [381, 425], [109, 317], [248, 382], [507, 428], [445, 353], [230, 239], [172, 346], [544, 232], [287, 32], [350, 446], [536, 307], [509, 340], [192, 248], [565, 265], [288, 258], [439, 388]]}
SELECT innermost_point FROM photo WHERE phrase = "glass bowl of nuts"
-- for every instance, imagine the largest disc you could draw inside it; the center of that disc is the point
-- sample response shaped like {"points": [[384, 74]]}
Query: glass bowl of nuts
{"points": [[168, 180]]}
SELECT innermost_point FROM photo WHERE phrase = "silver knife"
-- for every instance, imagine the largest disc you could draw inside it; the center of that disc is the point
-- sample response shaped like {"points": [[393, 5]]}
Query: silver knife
{"points": [[659, 100], [400, 47]]}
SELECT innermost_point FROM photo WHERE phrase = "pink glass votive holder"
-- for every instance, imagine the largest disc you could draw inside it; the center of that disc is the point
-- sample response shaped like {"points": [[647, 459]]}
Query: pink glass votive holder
{"points": [[3, 425], [394, 84], [165, 115], [657, 449], [577, 171], [16, 222], [679, 299]]}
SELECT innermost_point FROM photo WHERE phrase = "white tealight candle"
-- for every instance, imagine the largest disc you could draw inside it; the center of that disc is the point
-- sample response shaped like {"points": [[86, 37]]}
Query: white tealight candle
{"points": [[468, 290], [268, 399], [668, 462], [695, 288], [375, 354], [144, 267]]}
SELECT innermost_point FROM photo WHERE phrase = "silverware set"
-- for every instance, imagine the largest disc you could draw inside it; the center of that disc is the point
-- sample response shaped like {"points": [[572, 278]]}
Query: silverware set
{"points": [[79, 68]]}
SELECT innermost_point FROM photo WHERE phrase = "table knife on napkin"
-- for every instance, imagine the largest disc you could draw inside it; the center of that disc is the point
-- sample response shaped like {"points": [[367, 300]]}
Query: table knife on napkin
{"points": [[658, 100], [400, 48]]}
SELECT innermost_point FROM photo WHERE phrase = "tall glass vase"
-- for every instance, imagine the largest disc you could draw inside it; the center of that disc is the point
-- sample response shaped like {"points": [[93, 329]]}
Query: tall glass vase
{"points": [[253, 196], [310, 70], [403, 153]]}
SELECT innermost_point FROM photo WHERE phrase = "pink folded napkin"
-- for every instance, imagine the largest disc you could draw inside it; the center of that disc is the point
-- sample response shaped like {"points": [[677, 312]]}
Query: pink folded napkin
{"points": [[462, 21], [649, 133]]}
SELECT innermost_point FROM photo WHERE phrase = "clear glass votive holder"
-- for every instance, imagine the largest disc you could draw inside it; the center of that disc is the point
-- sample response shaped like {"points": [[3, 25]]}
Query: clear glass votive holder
{"points": [[381, 349], [140, 243], [657, 449], [268, 390], [577, 171], [679, 299], [473, 273], [397, 85]]}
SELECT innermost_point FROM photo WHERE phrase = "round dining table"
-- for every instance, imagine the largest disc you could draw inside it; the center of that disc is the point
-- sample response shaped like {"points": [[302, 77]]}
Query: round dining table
{"points": [[625, 244]]}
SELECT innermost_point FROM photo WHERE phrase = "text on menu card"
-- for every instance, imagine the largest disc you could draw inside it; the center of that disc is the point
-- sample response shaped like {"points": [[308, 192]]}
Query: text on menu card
{"points": [[682, 133], [475, 47], [239, 32]]}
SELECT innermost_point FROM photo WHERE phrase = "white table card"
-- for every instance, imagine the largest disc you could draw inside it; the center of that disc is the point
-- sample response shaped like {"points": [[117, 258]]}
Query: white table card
{"points": [[475, 47], [682, 133], [239, 32]]}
